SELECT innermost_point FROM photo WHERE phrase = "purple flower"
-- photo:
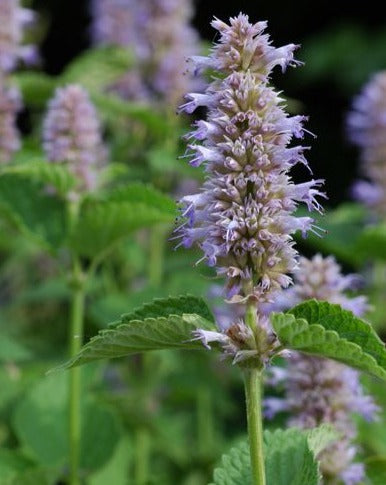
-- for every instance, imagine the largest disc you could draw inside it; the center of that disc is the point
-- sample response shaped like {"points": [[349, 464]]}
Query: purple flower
{"points": [[367, 129], [322, 390], [243, 217], [10, 104], [114, 22], [159, 33], [13, 19], [321, 278], [71, 134]]}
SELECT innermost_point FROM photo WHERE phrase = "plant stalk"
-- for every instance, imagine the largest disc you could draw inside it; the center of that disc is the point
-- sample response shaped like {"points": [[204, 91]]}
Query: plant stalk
{"points": [[142, 453], [253, 394], [75, 344], [205, 427]]}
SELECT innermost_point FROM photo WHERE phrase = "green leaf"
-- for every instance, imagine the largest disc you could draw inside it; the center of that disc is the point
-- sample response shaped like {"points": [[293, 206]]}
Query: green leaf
{"points": [[319, 438], [103, 223], [116, 470], [40, 422], [52, 174], [32, 476], [133, 335], [13, 351], [112, 107], [372, 243], [289, 458], [142, 194], [98, 68], [290, 455], [235, 467], [163, 307], [36, 88], [327, 330], [371, 435], [39, 215], [11, 464], [376, 470]]}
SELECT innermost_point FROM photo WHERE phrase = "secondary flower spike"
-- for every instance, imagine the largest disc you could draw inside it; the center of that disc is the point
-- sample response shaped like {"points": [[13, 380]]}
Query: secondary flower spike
{"points": [[72, 134], [367, 129], [243, 218], [319, 390], [161, 37], [13, 19], [10, 104]]}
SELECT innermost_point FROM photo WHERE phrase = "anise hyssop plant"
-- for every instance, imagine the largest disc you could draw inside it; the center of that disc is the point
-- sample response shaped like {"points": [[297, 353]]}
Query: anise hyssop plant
{"points": [[243, 220]]}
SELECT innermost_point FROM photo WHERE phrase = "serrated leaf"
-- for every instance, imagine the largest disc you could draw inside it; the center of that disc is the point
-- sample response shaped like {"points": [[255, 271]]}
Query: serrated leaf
{"points": [[327, 330], [52, 174], [319, 438], [235, 467], [98, 68], [289, 458], [130, 336], [26, 203], [102, 224], [163, 307], [372, 243]]}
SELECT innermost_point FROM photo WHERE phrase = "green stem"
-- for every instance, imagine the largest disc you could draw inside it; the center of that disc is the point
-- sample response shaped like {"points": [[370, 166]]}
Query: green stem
{"points": [[253, 394], [205, 427], [76, 338], [142, 447], [379, 281], [156, 256]]}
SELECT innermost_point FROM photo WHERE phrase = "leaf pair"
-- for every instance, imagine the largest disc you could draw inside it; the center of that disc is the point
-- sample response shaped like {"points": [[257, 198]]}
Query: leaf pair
{"points": [[317, 328]]}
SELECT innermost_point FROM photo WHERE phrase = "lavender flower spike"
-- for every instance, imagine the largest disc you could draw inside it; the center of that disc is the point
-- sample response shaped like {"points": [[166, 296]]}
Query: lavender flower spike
{"points": [[72, 135], [321, 390], [115, 22], [367, 129], [161, 38], [13, 19], [243, 217], [10, 104], [171, 40]]}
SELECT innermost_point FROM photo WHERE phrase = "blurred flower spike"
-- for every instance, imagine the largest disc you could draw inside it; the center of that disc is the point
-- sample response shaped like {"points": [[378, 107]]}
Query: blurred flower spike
{"points": [[72, 135], [13, 20], [10, 104], [319, 390], [367, 129]]}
